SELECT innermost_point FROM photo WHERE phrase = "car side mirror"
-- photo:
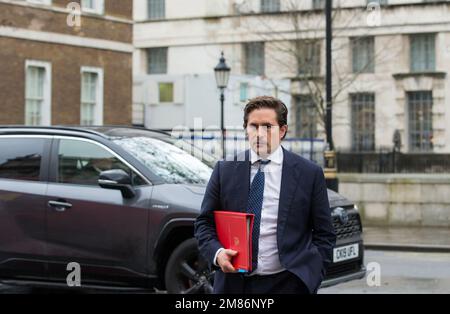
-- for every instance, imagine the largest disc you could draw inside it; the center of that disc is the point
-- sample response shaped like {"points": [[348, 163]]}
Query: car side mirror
{"points": [[117, 179]]}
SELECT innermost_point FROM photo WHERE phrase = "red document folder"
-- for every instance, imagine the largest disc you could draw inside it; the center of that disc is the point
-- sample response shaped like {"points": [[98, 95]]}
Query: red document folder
{"points": [[234, 230]]}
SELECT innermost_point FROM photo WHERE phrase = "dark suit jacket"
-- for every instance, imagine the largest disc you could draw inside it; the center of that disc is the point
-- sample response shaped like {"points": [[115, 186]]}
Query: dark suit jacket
{"points": [[305, 233]]}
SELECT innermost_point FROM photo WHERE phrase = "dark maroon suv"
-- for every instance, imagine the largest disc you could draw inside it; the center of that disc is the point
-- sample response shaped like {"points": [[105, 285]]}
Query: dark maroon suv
{"points": [[121, 203]]}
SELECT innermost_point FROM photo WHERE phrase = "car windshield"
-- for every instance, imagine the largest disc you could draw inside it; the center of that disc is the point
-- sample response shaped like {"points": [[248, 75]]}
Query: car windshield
{"points": [[170, 162]]}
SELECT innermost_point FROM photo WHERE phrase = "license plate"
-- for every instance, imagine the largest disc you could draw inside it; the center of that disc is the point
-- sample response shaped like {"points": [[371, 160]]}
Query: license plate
{"points": [[344, 253]]}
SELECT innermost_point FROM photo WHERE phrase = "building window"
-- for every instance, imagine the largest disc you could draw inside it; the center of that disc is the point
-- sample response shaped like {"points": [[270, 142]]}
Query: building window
{"points": [[318, 4], [91, 112], [165, 92], [308, 57], [306, 117], [37, 93], [254, 58], [422, 52], [420, 115], [138, 114], [270, 6], [243, 92], [156, 9], [363, 121], [93, 6], [362, 54], [157, 60], [380, 2], [47, 2]]}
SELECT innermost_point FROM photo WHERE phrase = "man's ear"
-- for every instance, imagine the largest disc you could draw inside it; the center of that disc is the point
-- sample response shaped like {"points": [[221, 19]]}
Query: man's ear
{"points": [[283, 131]]}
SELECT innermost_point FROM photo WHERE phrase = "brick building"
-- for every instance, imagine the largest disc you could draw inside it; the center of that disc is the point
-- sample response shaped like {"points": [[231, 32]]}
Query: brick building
{"points": [[54, 70]]}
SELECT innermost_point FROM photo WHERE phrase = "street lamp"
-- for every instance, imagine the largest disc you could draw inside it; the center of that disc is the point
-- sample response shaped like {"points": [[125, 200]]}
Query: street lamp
{"points": [[222, 72], [330, 168]]}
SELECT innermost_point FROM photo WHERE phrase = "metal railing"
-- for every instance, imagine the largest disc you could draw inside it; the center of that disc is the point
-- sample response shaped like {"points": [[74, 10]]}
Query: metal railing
{"points": [[392, 162], [235, 142]]}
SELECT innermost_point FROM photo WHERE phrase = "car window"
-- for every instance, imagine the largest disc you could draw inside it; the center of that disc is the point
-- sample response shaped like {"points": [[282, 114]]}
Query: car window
{"points": [[171, 163], [81, 162], [20, 158]]}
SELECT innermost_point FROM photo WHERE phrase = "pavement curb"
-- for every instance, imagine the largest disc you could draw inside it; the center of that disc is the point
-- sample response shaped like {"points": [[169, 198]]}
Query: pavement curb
{"points": [[407, 247]]}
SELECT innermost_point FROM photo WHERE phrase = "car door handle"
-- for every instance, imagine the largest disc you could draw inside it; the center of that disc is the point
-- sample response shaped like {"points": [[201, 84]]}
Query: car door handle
{"points": [[59, 206]]}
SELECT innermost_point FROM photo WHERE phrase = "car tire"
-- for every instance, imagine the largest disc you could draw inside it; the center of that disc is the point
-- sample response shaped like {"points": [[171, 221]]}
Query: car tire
{"points": [[187, 272]]}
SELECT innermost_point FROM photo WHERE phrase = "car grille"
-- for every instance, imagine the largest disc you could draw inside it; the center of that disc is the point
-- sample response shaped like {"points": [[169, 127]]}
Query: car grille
{"points": [[343, 269], [350, 229]]}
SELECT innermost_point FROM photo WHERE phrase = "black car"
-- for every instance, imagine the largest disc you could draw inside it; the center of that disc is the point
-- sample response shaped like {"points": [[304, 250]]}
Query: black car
{"points": [[121, 202]]}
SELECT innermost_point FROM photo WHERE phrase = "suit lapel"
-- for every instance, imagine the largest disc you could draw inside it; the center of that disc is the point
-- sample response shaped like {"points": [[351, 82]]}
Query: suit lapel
{"points": [[242, 180], [287, 190]]}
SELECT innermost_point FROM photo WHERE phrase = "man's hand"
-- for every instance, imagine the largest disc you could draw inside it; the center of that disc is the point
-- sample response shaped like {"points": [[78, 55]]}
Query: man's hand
{"points": [[224, 260]]}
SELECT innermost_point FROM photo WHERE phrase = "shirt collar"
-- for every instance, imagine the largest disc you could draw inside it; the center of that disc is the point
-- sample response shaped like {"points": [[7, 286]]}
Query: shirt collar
{"points": [[275, 157]]}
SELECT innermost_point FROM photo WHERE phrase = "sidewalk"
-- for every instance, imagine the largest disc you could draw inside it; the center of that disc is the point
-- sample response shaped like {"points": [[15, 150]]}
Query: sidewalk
{"points": [[425, 239]]}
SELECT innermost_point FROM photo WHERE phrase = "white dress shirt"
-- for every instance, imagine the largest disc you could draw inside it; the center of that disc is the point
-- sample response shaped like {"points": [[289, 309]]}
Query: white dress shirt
{"points": [[268, 258]]}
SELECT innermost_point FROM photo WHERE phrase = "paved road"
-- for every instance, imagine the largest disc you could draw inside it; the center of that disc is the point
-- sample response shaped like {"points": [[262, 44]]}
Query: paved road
{"points": [[401, 272]]}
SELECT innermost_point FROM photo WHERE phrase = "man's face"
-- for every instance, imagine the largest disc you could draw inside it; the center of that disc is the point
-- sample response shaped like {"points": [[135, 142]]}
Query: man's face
{"points": [[264, 133]]}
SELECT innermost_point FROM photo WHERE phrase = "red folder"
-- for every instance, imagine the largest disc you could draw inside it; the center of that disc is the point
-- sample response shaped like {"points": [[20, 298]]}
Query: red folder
{"points": [[234, 230]]}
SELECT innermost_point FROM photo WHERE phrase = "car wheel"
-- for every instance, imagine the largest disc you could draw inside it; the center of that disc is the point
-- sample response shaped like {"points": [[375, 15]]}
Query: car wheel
{"points": [[187, 272]]}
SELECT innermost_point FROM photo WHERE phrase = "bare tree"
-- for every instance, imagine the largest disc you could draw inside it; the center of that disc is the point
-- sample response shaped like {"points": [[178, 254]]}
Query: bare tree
{"points": [[296, 37]]}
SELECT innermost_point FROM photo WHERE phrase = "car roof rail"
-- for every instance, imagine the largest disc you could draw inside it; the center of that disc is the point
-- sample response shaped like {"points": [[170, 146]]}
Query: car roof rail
{"points": [[88, 129], [130, 127], [53, 127]]}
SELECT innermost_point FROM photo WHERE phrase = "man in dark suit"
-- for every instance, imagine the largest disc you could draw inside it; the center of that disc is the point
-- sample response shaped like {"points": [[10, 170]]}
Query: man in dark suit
{"points": [[293, 237]]}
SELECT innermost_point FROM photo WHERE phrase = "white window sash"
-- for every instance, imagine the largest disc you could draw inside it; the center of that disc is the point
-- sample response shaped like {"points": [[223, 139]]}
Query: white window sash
{"points": [[46, 2], [98, 104], [45, 98], [99, 7]]}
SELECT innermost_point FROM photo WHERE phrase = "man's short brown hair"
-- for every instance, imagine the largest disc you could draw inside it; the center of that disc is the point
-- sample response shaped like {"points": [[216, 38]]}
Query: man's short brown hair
{"points": [[267, 102]]}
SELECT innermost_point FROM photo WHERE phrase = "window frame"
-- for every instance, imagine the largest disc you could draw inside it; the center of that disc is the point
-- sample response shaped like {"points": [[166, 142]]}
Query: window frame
{"points": [[270, 6], [99, 7], [305, 104], [247, 46], [98, 112], [160, 85], [313, 53], [243, 91], [54, 163], [159, 16], [420, 102], [47, 92], [427, 67], [318, 4], [357, 44], [358, 145], [41, 2], [166, 56]]}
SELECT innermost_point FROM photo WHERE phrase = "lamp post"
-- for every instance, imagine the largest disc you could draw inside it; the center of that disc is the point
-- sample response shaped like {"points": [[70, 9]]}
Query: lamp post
{"points": [[222, 73], [329, 155]]}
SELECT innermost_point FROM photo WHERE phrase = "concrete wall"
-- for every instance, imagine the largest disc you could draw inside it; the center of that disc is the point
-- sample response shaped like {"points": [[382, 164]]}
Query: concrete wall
{"points": [[399, 199]]}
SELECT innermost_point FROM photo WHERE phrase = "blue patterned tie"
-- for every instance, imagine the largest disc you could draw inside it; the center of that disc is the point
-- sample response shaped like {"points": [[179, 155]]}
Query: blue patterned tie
{"points": [[254, 206]]}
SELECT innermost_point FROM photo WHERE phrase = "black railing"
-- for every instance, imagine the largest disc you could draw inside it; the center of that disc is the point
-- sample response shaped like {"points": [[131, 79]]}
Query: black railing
{"points": [[392, 162]]}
